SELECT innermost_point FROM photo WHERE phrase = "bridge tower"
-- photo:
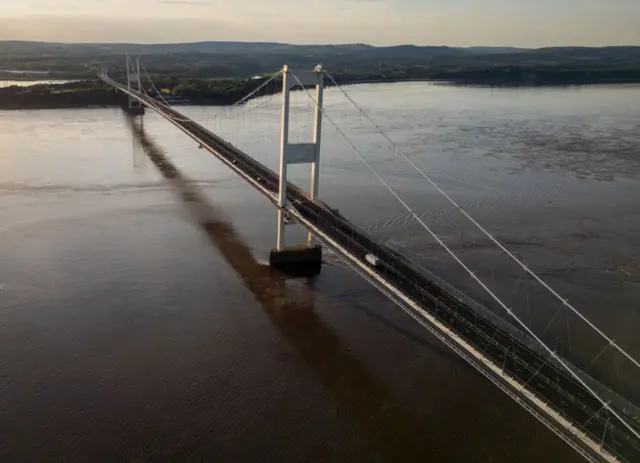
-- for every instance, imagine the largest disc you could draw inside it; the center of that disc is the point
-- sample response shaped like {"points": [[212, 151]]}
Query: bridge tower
{"points": [[134, 107], [305, 256]]}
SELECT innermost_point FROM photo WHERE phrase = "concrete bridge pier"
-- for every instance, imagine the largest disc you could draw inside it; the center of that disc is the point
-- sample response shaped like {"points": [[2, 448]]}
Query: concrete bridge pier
{"points": [[306, 256]]}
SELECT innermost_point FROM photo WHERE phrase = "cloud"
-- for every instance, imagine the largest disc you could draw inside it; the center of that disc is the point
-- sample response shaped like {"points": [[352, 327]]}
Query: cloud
{"points": [[101, 30], [379, 22], [187, 2]]}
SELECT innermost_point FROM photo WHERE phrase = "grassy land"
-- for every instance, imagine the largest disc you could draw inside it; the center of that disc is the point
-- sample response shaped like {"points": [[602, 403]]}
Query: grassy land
{"points": [[225, 91]]}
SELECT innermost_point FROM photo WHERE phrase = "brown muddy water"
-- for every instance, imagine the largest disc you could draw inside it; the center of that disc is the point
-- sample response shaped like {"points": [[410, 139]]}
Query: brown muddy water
{"points": [[138, 321]]}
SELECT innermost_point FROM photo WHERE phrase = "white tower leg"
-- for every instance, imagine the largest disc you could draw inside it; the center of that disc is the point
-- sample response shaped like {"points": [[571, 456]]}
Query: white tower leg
{"points": [[317, 134], [317, 137], [128, 74], [284, 142]]}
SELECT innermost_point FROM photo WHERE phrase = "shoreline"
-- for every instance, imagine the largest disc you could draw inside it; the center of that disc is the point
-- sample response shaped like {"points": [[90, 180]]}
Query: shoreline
{"points": [[92, 95]]}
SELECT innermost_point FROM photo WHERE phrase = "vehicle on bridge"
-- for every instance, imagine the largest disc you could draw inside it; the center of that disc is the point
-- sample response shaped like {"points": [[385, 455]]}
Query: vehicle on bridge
{"points": [[373, 260]]}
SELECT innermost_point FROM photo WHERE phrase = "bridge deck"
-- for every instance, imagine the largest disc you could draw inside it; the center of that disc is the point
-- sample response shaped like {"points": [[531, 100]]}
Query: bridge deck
{"points": [[529, 368]]}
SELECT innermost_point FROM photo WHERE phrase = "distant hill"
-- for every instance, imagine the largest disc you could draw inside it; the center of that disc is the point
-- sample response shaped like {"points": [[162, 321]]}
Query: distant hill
{"points": [[243, 59], [492, 50], [27, 49]]}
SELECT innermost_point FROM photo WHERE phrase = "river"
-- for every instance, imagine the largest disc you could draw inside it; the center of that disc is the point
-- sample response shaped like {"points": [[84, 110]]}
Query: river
{"points": [[130, 331]]}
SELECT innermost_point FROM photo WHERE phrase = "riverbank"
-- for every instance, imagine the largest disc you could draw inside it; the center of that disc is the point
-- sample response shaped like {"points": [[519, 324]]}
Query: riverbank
{"points": [[224, 92], [79, 94], [95, 93]]}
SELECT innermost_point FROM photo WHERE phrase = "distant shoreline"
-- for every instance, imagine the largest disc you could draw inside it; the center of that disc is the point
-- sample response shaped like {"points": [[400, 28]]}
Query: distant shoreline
{"points": [[94, 94], [489, 83]]}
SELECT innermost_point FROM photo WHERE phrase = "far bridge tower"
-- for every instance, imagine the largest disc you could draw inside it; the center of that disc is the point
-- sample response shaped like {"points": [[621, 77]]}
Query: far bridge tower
{"points": [[134, 107]]}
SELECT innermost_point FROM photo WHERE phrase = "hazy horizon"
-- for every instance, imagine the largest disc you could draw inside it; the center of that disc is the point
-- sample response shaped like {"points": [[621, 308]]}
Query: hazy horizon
{"points": [[517, 23], [187, 42]]}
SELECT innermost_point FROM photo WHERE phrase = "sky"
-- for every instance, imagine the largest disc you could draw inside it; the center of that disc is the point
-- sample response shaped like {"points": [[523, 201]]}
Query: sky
{"points": [[526, 23]]}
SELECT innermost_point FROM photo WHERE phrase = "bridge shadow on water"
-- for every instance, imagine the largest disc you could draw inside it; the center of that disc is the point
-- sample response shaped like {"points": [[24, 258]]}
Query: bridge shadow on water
{"points": [[394, 433]]}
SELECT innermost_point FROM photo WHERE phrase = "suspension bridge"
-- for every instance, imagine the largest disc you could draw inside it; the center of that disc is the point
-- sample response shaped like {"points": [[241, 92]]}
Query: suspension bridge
{"points": [[590, 416]]}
